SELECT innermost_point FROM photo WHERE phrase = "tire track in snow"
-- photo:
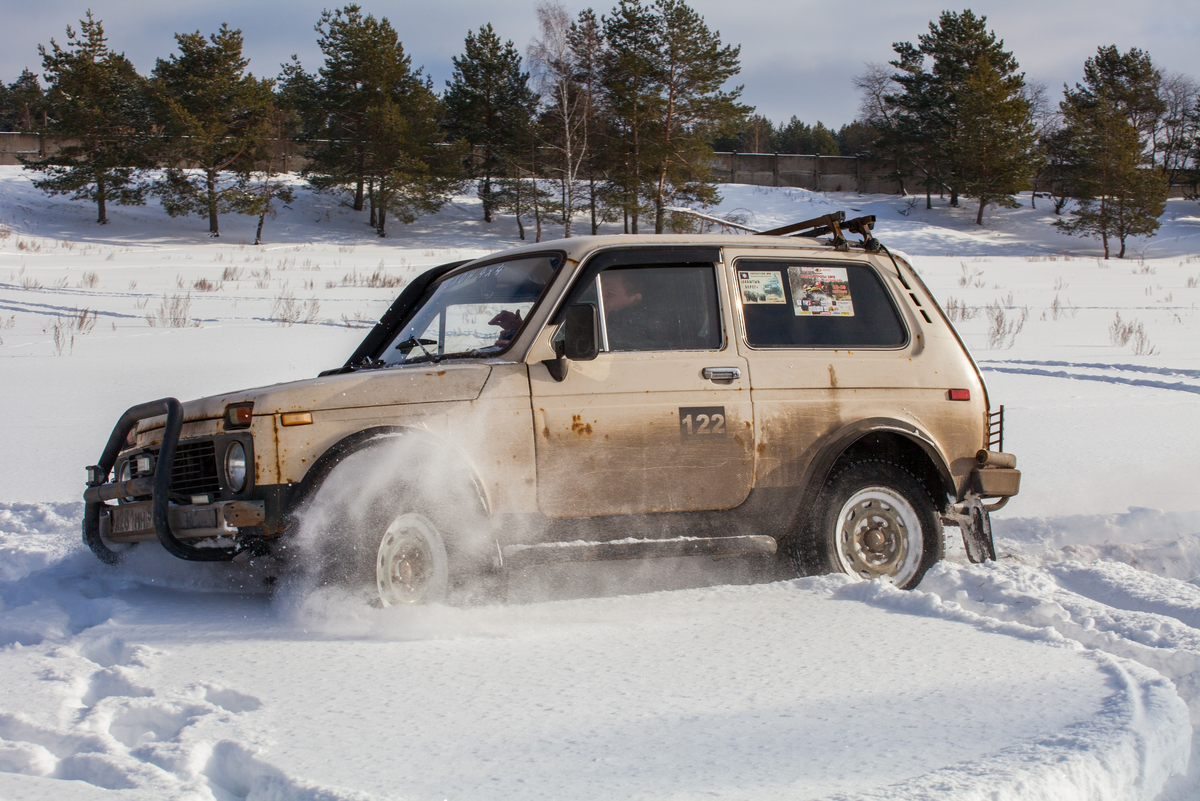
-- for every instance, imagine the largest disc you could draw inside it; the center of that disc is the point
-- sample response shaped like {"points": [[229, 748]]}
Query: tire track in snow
{"points": [[1129, 368], [1177, 386], [1120, 614], [117, 733]]}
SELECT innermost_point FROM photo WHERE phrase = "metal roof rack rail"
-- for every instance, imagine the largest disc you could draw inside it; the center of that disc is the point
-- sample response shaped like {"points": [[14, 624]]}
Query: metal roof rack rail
{"points": [[834, 224]]}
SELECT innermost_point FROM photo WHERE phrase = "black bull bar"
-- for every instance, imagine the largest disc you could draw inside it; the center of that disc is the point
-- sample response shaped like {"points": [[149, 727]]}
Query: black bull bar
{"points": [[157, 487]]}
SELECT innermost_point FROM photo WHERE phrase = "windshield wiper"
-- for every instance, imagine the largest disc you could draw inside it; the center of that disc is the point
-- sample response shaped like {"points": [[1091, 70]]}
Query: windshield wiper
{"points": [[412, 342]]}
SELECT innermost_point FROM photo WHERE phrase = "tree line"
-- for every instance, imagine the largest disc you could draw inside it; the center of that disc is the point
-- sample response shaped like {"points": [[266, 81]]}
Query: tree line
{"points": [[619, 111], [617, 115], [952, 114]]}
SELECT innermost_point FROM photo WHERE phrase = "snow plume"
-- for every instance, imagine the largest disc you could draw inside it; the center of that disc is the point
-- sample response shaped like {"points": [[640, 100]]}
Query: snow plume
{"points": [[335, 545]]}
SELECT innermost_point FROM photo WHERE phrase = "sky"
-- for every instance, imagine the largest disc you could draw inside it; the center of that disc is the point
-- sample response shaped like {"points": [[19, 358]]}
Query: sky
{"points": [[799, 57]]}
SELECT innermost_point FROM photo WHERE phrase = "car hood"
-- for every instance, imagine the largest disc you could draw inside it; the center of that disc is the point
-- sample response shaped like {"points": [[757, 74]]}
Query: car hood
{"points": [[382, 387]]}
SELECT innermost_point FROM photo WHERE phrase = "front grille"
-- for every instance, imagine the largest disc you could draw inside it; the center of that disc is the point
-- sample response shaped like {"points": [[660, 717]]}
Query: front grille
{"points": [[194, 471]]}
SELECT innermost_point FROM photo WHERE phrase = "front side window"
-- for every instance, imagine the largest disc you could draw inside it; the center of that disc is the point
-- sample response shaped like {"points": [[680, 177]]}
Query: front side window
{"points": [[811, 304], [663, 307], [475, 312]]}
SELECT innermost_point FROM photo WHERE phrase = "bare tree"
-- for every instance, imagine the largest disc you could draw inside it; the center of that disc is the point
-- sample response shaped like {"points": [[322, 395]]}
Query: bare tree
{"points": [[1046, 120], [1173, 131], [874, 85], [553, 65]]}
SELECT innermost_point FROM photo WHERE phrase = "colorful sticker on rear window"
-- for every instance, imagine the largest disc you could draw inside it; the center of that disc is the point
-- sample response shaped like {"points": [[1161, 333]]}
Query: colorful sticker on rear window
{"points": [[820, 292], [761, 286]]}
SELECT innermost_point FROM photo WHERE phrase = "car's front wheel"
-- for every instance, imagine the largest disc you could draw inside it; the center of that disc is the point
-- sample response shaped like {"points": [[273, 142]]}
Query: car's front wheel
{"points": [[872, 520], [411, 563]]}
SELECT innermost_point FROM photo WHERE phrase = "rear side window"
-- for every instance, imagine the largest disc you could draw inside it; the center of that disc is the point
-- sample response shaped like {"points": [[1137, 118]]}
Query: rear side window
{"points": [[816, 304]]}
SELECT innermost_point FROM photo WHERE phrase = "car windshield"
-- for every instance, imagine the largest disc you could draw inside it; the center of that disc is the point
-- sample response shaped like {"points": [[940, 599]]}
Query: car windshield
{"points": [[474, 312]]}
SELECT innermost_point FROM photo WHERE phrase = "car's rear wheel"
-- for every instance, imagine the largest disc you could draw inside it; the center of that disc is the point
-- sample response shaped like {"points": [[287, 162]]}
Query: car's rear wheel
{"points": [[872, 520]]}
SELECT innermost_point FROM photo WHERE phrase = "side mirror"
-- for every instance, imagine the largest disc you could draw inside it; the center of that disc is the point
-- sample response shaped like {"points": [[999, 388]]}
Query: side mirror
{"points": [[581, 339]]}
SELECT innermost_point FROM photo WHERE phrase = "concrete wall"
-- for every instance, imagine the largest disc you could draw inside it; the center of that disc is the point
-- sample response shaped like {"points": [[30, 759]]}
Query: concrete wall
{"points": [[818, 173], [14, 144], [287, 154]]}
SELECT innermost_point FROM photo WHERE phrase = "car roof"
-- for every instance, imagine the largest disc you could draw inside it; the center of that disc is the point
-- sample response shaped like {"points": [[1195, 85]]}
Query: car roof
{"points": [[577, 247]]}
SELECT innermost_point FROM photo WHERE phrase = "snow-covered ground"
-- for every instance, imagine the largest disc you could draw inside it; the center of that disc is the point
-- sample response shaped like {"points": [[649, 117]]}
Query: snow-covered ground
{"points": [[1069, 669]]}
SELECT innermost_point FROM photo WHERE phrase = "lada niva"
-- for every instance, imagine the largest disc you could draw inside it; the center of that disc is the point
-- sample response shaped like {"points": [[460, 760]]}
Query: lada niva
{"points": [[605, 397]]}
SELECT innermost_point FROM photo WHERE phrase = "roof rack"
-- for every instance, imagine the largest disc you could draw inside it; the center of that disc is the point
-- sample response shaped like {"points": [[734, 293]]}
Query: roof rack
{"points": [[834, 223]]}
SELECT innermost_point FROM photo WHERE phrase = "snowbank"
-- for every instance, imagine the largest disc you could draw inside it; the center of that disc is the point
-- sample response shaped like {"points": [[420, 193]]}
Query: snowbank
{"points": [[1070, 669]]}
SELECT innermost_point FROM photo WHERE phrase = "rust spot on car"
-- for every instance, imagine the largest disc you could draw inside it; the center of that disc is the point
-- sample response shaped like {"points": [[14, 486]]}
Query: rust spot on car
{"points": [[440, 372], [762, 448], [579, 427], [546, 432], [832, 377]]}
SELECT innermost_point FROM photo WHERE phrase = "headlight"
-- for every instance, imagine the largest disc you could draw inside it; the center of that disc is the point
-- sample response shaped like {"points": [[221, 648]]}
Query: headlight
{"points": [[126, 471], [235, 466]]}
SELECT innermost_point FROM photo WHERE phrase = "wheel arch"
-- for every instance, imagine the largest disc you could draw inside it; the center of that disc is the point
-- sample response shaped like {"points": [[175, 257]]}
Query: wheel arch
{"points": [[366, 439], [894, 440]]}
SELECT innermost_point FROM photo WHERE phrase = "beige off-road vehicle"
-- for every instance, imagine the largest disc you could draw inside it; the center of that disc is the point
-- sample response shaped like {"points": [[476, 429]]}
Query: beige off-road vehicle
{"points": [[604, 397]]}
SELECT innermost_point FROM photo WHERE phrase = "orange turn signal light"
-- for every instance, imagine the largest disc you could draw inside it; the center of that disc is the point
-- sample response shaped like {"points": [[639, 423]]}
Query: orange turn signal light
{"points": [[239, 415], [295, 418], [960, 394]]}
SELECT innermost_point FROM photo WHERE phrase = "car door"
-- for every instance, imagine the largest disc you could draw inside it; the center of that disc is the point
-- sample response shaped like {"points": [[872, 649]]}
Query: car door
{"points": [[661, 420], [829, 346]]}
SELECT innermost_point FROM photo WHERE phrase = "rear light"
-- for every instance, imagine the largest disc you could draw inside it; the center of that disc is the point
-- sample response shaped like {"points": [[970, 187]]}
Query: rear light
{"points": [[238, 415], [960, 394]]}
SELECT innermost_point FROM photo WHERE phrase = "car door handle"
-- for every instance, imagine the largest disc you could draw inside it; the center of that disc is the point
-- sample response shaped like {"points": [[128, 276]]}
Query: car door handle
{"points": [[722, 375]]}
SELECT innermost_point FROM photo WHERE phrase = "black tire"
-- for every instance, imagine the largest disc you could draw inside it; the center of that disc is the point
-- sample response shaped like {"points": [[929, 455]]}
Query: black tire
{"points": [[396, 541], [871, 519]]}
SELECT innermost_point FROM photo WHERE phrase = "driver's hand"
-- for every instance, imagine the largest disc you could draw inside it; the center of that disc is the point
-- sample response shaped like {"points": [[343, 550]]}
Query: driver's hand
{"points": [[508, 321]]}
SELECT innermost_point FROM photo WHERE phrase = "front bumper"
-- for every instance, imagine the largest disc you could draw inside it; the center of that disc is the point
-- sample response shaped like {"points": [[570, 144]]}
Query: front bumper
{"points": [[156, 515], [134, 522]]}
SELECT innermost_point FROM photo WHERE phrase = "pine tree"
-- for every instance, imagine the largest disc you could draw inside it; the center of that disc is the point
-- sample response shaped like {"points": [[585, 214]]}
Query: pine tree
{"points": [[997, 157], [1128, 81], [487, 103], [23, 104], [928, 116], [264, 182], [98, 110], [756, 134], [799, 137], [1107, 121], [216, 117], [694, 107], [409, 173], [632, 80], [365, 66], [856, 138]]}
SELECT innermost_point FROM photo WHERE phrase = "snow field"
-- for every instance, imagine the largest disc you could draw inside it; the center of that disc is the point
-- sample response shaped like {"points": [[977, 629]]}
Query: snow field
{"points": [[1069, 669]]}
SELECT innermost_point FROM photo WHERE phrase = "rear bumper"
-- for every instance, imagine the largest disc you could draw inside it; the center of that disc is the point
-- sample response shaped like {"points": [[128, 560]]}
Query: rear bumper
{"points": [[995, 482]]}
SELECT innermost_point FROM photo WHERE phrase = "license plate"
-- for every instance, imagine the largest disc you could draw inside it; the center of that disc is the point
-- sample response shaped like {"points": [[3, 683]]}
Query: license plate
{"points": [[198, 518], [132, 517]]}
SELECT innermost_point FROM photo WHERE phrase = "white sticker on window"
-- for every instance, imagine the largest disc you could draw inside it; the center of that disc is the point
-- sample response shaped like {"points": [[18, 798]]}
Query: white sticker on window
{"points": [[820, 292], [761, 286]]}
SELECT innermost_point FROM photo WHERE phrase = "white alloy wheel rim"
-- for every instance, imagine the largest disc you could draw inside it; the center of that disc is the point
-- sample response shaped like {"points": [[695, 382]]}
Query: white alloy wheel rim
{"points": [[879, 536], [410, 566]]}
